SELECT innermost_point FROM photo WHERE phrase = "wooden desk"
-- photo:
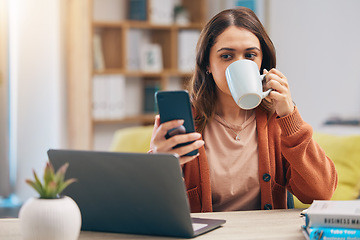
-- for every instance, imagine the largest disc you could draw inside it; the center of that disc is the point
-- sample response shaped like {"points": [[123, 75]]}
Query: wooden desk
{"points": [[271, 224]]}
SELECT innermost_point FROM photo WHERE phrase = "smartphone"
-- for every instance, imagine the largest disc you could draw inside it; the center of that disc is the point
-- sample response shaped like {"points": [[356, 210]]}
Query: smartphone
{"points": [[173, 105]]}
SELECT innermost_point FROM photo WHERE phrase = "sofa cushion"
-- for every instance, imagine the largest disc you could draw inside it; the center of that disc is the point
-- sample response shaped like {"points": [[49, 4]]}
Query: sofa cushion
{"points": [[345, 152], [132, 139]]}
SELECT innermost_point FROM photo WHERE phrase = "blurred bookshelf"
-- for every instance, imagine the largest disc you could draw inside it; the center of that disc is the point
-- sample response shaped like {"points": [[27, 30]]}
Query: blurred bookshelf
{"points": [[119, 52]]}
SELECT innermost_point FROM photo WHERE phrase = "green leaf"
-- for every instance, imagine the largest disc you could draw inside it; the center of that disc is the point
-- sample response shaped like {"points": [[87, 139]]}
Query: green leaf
{"points": [[51, 191], [48, 174], [34, 185], [60, 174], [66, 184], [38, 183]]}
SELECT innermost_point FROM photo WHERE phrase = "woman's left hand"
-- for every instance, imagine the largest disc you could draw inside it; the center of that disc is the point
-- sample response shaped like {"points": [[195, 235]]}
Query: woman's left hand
{"points": [[280, 95]]}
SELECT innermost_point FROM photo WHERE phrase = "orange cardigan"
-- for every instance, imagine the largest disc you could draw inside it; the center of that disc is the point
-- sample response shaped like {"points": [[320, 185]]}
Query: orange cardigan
{"points": [[288, 159]]}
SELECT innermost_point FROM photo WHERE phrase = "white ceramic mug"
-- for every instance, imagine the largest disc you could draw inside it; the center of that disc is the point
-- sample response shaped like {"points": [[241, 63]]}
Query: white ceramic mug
{"points": [[245, 83]]}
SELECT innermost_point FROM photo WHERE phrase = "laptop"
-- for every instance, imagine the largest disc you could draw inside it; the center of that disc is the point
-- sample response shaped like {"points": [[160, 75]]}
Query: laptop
{"points": [[135, 193]]}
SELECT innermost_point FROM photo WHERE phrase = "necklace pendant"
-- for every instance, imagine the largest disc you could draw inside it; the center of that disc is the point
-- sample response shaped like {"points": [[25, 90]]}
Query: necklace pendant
{"points": [[237, 138]]}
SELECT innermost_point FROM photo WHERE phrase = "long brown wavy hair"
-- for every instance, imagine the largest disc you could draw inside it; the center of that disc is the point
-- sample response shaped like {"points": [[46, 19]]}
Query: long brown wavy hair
{"points": [[202, 87]]}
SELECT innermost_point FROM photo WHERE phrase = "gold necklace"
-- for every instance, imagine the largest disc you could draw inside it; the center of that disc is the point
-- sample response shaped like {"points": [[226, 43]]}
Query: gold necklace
{"points": [[237, 137]]}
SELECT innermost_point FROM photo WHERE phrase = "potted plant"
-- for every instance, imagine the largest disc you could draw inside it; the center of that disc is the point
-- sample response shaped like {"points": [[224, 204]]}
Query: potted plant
{"points": [[50, 216]]}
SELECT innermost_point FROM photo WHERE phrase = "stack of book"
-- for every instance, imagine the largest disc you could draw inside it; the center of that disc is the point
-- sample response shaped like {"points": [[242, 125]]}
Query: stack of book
{"points": [[99, 62], [332, 220], [187, 49], [149, 104], [137, 10], [109, 100]]}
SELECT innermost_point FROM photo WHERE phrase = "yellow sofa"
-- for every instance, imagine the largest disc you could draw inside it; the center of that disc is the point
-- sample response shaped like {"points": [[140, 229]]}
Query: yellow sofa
{"points": [[132, 139], [343, 150]]}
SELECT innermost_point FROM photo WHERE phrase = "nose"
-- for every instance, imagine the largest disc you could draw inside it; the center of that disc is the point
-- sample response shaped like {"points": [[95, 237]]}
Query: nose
{"points": [[240, 58]]}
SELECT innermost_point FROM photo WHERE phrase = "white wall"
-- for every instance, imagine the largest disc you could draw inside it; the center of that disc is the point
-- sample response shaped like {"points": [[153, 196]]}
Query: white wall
{"points": [[318, 48], [37, 84]]}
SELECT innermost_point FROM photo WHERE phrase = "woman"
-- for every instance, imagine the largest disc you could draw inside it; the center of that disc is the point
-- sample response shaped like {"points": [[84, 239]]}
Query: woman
{"points": [[247, 159]]}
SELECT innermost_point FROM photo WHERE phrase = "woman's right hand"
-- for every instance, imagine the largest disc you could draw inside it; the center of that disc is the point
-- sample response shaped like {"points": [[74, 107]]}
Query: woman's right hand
{"points": [[159, 144]]}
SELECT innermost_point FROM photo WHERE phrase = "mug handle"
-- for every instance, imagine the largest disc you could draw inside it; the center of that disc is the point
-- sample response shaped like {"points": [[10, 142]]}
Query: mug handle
{"points": [[267, 92]]}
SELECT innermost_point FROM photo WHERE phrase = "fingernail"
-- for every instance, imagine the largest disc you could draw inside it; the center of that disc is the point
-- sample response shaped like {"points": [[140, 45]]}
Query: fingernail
{"points": [[198, 135], [200, 143]]}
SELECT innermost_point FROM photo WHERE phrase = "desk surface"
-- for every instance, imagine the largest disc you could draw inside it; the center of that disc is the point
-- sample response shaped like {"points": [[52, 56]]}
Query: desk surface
{"points": [[270, 224]]}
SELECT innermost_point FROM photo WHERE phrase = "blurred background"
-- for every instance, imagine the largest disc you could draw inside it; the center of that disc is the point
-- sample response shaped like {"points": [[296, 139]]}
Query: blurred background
{"points": [[73, 72]]}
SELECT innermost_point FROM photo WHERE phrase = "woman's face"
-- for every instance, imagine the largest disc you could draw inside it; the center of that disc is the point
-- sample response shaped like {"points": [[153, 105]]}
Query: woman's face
{"points": [[233, 44]]}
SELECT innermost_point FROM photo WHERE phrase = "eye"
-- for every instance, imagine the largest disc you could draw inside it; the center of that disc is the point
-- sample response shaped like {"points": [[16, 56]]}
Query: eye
{"points": [[226, 56], [250, 55]]}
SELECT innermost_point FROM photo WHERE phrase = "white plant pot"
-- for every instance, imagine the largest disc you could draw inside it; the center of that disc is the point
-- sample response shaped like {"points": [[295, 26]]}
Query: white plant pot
{"points": [[45, 219]]}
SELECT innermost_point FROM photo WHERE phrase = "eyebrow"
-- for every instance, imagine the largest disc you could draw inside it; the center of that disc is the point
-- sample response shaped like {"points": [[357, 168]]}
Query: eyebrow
{"points": [[232, 49]]}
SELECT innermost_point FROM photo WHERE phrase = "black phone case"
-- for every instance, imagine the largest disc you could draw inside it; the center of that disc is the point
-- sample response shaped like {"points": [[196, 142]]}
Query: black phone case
{"points": [[174, 105]]}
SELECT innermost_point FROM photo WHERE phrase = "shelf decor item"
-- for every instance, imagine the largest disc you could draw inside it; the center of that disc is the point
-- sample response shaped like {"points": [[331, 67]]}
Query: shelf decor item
{"points": [[181, 15], [151, 58], [50, 216]]}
